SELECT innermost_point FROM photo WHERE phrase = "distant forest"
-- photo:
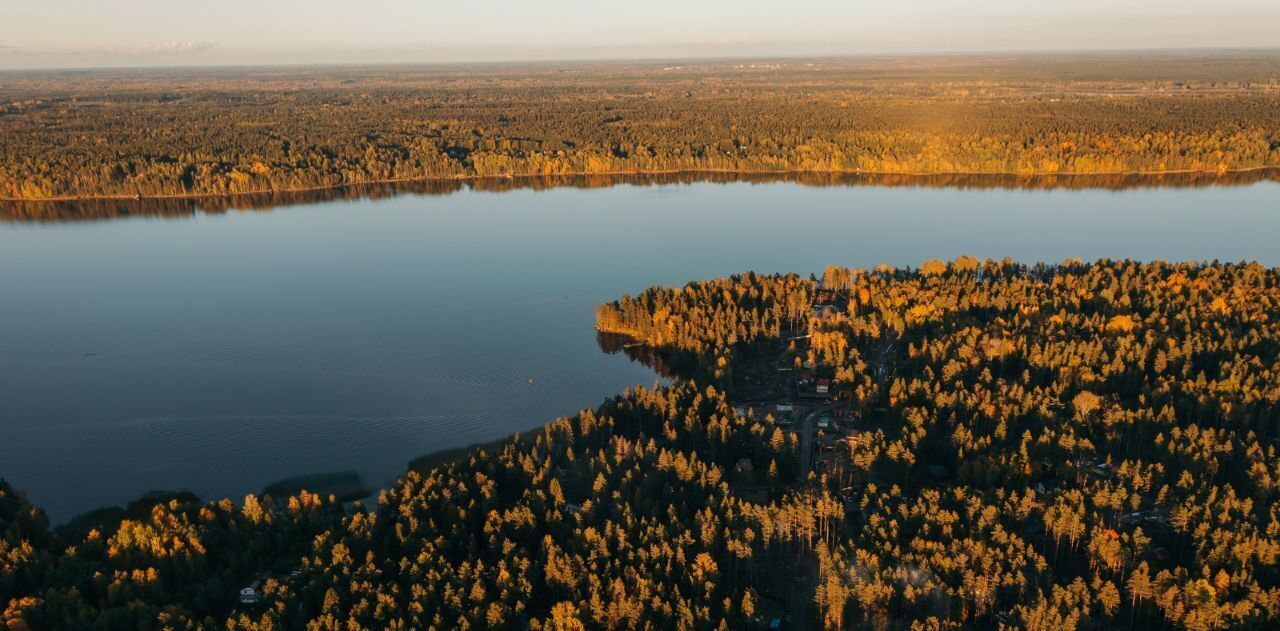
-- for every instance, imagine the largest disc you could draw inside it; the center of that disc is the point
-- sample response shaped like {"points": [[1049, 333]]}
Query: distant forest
{"points": [[1071, 446], [220, 131]]}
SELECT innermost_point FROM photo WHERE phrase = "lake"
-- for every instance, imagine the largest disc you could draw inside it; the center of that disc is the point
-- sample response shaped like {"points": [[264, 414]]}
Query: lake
{"points": [[218, 352]]}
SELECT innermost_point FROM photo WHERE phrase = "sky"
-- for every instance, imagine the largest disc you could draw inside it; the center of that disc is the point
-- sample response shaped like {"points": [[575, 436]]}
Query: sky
{"points": [[110, 33]]}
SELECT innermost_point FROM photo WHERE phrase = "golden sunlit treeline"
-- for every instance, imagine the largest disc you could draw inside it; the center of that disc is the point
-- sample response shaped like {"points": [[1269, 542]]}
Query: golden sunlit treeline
{"points": [[698, 328], [167, 133]]}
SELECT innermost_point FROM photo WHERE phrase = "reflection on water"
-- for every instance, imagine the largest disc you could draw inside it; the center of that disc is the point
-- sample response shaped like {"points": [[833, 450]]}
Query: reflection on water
{"points": [[152, 207], [614, 343], [221, 353]]}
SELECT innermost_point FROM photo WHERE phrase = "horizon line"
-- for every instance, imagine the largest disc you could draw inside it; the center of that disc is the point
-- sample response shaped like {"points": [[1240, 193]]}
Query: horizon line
{"points": [[923, 54]]}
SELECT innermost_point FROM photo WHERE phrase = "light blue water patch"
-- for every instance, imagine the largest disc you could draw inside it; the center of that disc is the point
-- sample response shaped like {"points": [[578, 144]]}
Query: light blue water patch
{"points": [[219, 353]]}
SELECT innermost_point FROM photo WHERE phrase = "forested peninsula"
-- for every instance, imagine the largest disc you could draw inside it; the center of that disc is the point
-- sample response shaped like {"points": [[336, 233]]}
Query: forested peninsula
{"points": [[972, 444], [213, 132]]}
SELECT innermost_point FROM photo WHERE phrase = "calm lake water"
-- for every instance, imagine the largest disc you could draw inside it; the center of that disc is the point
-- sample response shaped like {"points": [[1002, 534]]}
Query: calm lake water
{"points": [[218, 353]]}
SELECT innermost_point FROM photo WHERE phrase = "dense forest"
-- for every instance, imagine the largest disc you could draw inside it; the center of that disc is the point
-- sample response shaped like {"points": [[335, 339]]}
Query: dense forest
{"points": [[215, 132], [1071, 446], [1044, 447]]}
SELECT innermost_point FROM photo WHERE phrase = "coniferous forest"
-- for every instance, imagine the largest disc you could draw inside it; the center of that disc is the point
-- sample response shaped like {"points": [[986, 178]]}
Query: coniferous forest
{"points": [[194, 132], [1068, 446]]}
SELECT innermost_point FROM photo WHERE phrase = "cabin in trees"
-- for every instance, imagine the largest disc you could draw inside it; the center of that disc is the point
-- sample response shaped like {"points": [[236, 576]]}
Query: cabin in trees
{"points": [[852, 436], [810, 388], [252, 593]]}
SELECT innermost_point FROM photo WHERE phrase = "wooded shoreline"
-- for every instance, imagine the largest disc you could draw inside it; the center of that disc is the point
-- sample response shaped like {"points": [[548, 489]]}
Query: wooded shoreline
{"points": [[121, 207], [734, 172]]}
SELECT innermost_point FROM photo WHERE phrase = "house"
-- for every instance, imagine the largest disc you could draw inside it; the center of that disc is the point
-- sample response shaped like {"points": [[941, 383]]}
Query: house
{"points": [[251, 594], [807, 387]]}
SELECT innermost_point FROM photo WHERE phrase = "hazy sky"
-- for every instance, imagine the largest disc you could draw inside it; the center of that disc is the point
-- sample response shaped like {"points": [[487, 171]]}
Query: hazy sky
{"points": [[77, 33]]}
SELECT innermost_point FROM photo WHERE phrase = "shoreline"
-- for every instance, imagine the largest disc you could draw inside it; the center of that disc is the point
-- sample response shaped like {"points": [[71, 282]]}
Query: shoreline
{"points": [[329, 482], [636, 173]]}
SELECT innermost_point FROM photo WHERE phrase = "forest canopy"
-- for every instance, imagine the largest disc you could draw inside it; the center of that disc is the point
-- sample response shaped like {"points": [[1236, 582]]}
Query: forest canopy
{"points": [[193, 132]]}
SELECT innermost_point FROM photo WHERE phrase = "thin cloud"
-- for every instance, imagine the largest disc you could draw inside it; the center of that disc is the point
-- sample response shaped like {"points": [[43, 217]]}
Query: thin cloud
{"points": [[175, 47], [172, 48]]}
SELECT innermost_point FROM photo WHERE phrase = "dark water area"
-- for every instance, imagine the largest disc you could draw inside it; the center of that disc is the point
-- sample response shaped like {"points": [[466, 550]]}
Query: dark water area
{"points": [[197, 348]]}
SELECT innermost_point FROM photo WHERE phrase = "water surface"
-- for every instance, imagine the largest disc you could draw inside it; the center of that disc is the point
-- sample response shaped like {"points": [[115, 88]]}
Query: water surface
{"points": [[218, 353]]}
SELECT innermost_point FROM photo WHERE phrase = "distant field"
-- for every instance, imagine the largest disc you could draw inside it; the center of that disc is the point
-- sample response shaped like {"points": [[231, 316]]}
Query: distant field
{"points": [[128, 133]]}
